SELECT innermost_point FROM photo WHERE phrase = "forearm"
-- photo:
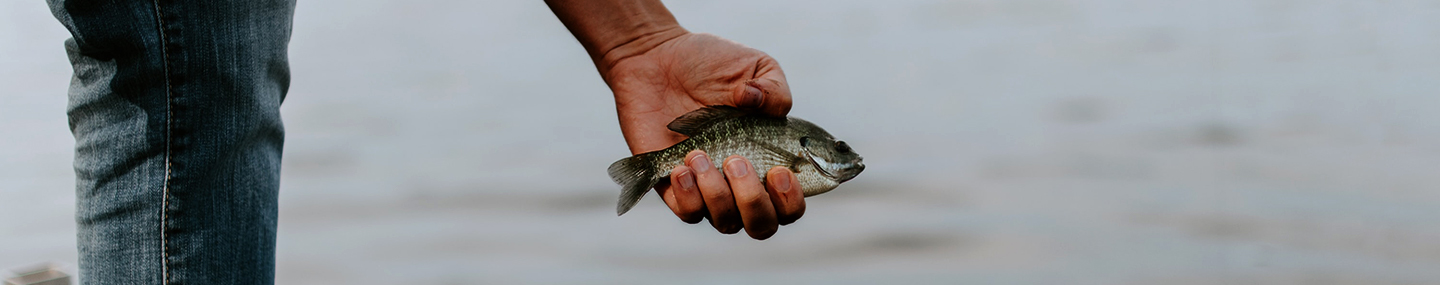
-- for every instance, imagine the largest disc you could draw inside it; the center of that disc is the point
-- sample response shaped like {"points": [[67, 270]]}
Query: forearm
{"points": [[612, 30]]}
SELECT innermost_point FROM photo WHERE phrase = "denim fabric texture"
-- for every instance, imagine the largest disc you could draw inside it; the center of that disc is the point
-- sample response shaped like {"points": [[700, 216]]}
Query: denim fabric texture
{"points": [[175, 108]]}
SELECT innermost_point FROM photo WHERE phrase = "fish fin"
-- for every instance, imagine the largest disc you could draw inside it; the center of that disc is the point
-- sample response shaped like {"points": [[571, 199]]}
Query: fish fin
{"points": [[780, 155], [635, 175], [693, 122]]}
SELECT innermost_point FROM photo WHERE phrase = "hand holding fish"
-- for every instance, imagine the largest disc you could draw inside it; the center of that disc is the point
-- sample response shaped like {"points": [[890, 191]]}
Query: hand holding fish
{"points": [[658, 72], [690, 72]]}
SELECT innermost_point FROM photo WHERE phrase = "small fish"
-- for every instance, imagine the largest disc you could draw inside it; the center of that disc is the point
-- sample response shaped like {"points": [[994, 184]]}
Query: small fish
{"points": [[820, 162]]}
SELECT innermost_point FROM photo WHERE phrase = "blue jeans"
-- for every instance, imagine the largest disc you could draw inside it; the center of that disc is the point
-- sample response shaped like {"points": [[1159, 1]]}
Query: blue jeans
{"points": [[175, 108]]}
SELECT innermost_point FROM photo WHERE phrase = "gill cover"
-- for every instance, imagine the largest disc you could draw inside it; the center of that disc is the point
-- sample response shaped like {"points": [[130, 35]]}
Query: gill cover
{"points": [[823, 165]]}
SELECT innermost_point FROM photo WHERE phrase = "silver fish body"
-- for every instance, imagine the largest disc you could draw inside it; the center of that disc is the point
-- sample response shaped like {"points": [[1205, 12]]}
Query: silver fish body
{"points": [[819, 161]]}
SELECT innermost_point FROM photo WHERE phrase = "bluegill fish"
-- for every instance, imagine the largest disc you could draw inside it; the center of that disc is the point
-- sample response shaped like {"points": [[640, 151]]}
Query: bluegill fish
{"points": [[819, 161]]}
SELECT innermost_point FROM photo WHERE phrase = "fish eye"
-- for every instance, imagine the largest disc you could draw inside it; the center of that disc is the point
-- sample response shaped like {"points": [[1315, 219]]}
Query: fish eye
{"points": [[842, 147]]}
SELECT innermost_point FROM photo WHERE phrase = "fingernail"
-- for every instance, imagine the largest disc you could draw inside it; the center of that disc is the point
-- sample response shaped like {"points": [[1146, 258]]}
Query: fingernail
{"points": [[736, 167], [700, 163], [782, 182], [752, 96], [687, 181]]}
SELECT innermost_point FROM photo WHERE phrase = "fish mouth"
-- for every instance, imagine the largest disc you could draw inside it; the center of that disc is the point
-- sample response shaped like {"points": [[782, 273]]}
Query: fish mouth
{"points": [[850, 173]]}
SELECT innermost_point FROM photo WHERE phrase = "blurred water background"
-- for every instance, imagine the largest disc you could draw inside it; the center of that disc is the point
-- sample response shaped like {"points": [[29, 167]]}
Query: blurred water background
{"points": [[1008, 142]]}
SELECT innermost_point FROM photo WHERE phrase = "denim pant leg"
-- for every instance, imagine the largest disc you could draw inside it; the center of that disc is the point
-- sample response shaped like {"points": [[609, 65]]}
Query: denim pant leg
{"points": [[175, 108]]}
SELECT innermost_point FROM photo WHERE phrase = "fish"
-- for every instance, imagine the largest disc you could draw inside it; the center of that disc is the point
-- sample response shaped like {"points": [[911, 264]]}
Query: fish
{"points": [[820, 162]]}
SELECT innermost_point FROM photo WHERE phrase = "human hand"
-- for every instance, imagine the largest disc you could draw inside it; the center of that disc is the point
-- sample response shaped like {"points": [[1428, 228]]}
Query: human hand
{"points": [[659, 71], [689, 72]]}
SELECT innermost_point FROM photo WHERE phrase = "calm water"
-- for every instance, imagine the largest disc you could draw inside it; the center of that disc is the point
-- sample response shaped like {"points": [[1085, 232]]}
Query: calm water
{"points": [[1008, 142]]}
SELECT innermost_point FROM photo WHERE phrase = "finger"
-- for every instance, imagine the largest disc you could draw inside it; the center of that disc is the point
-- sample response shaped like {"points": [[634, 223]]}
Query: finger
{"points": [[756, 211], [785, 193], [768, 92], [663, 189], [684, 197], [716, 193]]}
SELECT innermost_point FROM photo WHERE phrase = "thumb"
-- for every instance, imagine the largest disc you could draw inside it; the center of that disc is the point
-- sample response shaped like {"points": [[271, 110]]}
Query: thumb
{"points": [[767, 92]]}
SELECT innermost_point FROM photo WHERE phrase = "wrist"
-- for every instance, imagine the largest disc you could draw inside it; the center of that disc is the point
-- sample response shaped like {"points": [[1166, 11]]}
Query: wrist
{"points": [[636, 44], [612, 30]]}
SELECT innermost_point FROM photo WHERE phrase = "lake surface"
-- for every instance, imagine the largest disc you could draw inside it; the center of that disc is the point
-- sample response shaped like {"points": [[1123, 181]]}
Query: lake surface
{"points": [[1007, 142]]}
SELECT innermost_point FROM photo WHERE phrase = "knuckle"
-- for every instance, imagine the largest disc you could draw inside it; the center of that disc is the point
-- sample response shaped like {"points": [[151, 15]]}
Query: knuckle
{"points": [[726, 215], [751, 199], [694, 213], [717, 194], [691, 218], [727, 228], [761, 232]]}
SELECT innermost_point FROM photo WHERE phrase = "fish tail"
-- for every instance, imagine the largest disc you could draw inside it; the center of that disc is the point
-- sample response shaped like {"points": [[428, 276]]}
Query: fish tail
{"points": [[636, 175]]}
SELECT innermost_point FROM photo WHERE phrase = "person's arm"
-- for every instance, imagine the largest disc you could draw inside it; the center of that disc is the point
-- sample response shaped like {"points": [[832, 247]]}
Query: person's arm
{"points": [[615, 30], [659, 71]]}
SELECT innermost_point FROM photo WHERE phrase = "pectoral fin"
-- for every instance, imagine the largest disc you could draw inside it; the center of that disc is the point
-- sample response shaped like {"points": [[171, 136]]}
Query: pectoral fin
{"points": [[779, 155]]}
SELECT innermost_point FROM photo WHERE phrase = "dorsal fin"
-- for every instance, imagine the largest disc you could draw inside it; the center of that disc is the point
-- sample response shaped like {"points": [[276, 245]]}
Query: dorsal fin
{"points": [[693, 122]]}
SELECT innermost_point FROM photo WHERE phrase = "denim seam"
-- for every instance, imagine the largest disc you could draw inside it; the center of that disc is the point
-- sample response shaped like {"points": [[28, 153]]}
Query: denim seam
{"points": [[169, 117]]}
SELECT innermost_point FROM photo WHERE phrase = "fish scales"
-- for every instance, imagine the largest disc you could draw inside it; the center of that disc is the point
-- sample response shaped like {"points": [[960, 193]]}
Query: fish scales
{"points": [[731, 139], [820, 162]]}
